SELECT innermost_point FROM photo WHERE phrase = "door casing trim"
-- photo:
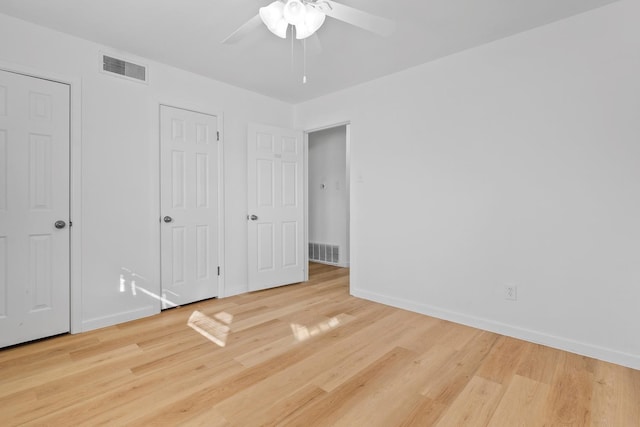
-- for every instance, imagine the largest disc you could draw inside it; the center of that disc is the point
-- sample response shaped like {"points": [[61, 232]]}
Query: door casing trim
{"points": [[347, 125]]}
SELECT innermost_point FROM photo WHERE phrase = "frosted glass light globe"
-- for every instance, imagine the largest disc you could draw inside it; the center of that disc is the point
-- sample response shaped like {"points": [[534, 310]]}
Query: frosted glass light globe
{"points": [[273, 18], [295, 12]]}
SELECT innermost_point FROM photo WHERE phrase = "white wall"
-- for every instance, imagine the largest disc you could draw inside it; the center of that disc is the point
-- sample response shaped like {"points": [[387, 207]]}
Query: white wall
{"points": [[328, 206], [120, 202], [514, 163]]}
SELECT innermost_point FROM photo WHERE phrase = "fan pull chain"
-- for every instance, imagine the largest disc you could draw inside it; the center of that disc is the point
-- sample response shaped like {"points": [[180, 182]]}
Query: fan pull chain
{"points": [[304, 61], [291, 26]]}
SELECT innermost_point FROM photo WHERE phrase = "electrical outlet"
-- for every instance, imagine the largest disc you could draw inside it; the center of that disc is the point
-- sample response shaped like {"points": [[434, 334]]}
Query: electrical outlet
{"points": [[511, 292]]}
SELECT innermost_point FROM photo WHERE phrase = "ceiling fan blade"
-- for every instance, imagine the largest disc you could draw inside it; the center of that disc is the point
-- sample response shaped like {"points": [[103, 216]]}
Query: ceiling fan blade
{"points": [[245, 29], [375, 24]]}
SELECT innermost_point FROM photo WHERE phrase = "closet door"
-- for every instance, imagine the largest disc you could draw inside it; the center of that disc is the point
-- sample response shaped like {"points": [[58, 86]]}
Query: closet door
{"points": [[34, 208]]}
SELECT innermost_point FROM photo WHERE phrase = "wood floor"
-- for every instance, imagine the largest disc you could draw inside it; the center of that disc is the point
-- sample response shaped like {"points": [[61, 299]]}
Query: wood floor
{"points": [[307, 355]]}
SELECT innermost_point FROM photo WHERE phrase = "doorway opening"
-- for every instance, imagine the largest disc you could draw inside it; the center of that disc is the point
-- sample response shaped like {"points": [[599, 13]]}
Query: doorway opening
{"points": [[328, 195]]}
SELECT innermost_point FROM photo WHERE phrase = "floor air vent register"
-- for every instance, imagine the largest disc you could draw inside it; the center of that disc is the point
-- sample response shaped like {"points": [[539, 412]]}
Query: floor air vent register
{"points": [[324, 253]]}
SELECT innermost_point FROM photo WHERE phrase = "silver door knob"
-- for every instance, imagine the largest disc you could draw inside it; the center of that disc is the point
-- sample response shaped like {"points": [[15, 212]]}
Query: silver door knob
{"points": [[60, 224], [253, 217], [167, 219]]}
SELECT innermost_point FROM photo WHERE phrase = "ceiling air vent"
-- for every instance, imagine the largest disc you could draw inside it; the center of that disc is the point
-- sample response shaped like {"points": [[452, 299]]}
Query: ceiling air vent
{"points": [[124, 68]]}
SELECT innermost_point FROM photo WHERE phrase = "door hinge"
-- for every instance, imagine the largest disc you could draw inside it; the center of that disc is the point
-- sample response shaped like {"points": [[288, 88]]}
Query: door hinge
{"points": [[218, 270], [218, 135]]}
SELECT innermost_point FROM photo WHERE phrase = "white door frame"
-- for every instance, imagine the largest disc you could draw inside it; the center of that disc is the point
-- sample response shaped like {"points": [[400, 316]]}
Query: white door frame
{"points": [[306, 188], [221, 187], [75, 184]]}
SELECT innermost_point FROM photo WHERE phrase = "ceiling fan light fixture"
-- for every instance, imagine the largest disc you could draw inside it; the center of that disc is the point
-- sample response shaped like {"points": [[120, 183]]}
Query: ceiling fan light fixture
{"points": [[312, 22], [295, 12], [273, 17]]}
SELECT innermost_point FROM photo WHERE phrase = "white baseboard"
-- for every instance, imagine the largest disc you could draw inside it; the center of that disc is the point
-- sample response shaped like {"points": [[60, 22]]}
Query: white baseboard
{"points": [[561, 343], [340, 264], [233, 291], [114, 319]]}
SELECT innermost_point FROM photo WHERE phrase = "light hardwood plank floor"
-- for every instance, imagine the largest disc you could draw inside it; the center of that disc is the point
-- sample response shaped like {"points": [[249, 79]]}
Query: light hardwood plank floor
{"points": [[306, 355]]}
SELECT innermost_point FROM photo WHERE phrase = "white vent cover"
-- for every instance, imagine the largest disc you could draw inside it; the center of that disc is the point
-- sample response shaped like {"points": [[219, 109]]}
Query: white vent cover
{"points": [[124, 68], [324, 253]]}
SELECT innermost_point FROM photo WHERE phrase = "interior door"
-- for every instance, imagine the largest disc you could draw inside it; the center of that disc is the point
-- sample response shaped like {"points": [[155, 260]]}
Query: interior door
{"points": [[34, 208], [189, 206], [276, 207]]}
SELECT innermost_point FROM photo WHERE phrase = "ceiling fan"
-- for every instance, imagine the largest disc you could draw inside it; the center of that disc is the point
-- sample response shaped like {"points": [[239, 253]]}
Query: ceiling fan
{"points": [[307, 16]]}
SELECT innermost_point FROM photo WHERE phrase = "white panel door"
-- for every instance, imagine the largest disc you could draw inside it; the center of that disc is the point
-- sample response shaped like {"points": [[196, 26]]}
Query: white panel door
{"points": [[189, 206], [34, 195], [276, 209]]}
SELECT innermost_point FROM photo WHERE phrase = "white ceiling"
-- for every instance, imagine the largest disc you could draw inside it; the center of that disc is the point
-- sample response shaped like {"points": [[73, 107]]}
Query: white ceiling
{"points": [[187, 34]]}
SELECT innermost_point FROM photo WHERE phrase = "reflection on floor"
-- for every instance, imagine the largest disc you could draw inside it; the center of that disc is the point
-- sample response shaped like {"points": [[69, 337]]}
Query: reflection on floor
{"points": [[303, 333], [215, 329]]}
